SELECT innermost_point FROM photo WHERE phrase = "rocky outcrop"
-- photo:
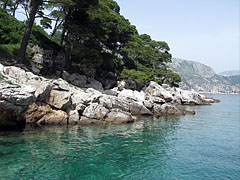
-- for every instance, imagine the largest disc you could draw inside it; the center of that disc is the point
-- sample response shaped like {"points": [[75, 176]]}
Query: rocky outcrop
{"points": [[28, 98]]}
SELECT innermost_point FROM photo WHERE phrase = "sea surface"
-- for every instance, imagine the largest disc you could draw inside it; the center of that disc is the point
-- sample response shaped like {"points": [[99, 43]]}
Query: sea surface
{"points": [[205, 146]]}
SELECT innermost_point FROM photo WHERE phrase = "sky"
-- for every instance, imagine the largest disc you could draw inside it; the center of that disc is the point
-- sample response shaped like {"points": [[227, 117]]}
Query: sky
{"points": [[206, 31]]}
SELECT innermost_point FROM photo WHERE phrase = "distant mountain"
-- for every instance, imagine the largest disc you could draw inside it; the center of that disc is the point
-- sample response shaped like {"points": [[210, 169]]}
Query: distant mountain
{"points": [[202, 78], [230, 73]]}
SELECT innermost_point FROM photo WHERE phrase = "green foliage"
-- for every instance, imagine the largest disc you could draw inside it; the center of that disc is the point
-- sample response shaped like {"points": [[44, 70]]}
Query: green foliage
{"points": [[40, 37], [1, 76], [166, 76], [11, 30], [11, 33], [9, 51], [138, 76], [94, 34]]}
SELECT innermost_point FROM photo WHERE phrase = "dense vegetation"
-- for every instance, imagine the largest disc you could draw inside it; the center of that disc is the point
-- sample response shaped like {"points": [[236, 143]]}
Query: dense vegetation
{"points": [[89, 32]]}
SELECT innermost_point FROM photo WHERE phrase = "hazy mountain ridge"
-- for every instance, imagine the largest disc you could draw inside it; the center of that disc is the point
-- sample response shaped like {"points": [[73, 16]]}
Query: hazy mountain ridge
{"points": [[202, 78], [230, 73]]}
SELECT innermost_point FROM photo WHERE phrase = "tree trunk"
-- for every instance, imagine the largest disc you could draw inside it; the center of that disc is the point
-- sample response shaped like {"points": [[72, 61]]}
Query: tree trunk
{"points": [[55, 28], [15, 8], [68, 62], [33, 6], [5, 4], [62, 36]]}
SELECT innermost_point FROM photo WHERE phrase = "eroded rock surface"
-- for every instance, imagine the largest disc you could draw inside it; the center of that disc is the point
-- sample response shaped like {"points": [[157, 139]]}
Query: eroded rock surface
{"points": [[28, 98]]}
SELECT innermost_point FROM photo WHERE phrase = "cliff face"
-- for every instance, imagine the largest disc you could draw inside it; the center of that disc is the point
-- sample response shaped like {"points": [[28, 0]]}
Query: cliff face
{"points": [[202, 78]]}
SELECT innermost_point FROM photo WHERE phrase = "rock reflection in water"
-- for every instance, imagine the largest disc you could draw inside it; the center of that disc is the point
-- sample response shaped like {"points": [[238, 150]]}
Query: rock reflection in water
{"points": [[93, 151]]}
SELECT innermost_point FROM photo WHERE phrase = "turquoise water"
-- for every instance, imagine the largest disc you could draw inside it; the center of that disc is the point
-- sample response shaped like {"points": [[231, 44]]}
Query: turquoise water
{"points": [[202, 146]]}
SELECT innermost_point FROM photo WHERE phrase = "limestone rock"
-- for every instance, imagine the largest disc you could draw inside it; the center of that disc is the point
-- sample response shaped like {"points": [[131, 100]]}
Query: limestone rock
{"points": [[137, 108], [108, 83], [86, 120], [53, 118], [73, 117], [36, 111], [130, 94], [92, 83], [56, 98], [77, 80], [110, 92], [116, 117], [167, 109], [95, 111], [155, 89], [10, 115]]}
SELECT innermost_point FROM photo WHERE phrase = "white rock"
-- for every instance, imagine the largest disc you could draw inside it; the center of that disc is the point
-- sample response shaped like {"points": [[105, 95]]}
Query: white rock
{"points": [[95, 111], [155, 89]]}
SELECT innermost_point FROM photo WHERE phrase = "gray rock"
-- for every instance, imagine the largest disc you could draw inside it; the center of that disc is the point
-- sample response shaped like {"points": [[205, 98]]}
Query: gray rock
{"points": [[77, 80], [156, 90], [56, 98], [92, 83], [86, 120], [95, 111], [54, 117], [132, 95], [65, 75], [110, 92], [73, 117], [109, 83], [116, 117], [167, 109], [137, 108]]}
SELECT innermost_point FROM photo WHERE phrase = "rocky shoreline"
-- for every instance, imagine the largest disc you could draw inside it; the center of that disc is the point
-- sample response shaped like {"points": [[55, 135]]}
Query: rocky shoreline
{"points": [[26, 98]]}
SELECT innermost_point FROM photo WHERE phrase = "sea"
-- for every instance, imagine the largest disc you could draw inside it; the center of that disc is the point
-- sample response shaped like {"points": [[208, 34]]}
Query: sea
{"points": [[204, 146]]}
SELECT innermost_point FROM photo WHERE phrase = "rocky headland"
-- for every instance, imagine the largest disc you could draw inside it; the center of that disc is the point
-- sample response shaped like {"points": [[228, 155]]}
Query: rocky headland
{"points": [[202, 78], [26, 98]]}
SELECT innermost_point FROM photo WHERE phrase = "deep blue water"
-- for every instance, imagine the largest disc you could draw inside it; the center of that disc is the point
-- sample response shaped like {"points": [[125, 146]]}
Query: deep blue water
{"points": [[202, 146]]}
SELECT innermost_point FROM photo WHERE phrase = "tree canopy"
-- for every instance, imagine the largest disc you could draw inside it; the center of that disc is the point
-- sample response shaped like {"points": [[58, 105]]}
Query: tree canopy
{"points": [[94, 33]]}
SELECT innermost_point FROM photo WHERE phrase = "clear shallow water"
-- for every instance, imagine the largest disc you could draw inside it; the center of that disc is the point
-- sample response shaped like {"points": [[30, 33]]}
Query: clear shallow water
{"points": [[201, 146]]}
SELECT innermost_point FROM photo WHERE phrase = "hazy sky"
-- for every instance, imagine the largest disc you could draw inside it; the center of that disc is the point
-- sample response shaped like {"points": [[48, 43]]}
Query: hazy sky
{"points": [[201, 30]]}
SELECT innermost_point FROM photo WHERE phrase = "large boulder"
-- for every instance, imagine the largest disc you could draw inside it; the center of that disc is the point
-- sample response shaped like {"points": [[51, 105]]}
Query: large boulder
{"points": [[14, 100], [167, 109], [95, 111], [108, 83], [85, 120], [17, 73], [73, 117], [57, 98], [36, 111], [92, 83], [190, 97], [156, 90], [112, 102], [137, 108], [77, 80], [53, 118], [10, 115], [132, 95], [116, 116], [41, 113], [86, 97]]}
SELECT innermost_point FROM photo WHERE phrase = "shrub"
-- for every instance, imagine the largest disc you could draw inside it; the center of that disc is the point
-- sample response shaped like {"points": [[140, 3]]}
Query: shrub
{"points": [[9, 51]]}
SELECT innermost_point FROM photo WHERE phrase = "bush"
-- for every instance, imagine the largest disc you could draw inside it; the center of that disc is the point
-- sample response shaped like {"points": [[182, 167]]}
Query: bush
{"points": [[9, 51], [12, 30], [138, 76]]}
